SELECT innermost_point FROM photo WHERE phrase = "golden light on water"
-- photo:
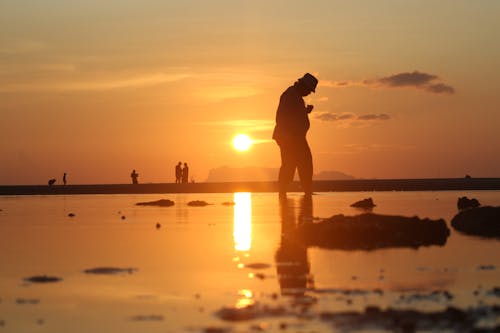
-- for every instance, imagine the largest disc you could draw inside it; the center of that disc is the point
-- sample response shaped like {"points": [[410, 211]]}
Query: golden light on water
{"points": [[242, 142], [242, 232]]}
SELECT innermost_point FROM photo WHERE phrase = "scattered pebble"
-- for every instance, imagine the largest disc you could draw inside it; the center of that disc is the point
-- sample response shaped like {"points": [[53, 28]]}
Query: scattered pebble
{"points": [[123, 217], [147, 318], [71, 215], [2, 323], [42, 279], [257, 266], [213, 329], [486, 267], [158, 225], [40, 321], [32, 301], [110, 270], [228, 203]]}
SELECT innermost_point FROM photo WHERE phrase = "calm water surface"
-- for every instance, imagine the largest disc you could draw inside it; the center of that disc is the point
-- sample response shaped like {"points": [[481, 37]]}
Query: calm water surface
{"points": [[194, 263]]}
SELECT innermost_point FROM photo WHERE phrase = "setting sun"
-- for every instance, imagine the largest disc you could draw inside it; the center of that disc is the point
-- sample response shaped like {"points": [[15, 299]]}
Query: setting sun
{"points": [[242, 142]]}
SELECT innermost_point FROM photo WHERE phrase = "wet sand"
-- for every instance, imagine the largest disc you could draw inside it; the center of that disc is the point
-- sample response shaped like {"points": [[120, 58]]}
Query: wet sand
{"points": [[436, 184]]}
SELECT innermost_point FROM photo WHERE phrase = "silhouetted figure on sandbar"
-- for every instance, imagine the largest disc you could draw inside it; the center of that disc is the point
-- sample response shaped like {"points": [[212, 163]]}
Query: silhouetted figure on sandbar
{"points": [[178, 173], [64, 179], [51, 182], [134, 175], [292, 124], [292, 264], [185, 173]]}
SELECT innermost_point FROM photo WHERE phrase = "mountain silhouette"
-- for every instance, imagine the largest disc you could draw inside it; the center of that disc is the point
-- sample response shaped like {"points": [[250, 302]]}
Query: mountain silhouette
{"points": [[232, 174]]}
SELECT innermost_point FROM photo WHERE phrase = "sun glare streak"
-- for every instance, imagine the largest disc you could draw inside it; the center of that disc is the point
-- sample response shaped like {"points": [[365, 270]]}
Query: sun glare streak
{"points": [[242, 142], [242, 232]]}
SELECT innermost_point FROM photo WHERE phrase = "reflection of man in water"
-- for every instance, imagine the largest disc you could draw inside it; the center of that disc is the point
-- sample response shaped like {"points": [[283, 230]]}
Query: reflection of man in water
{"points": [[292, 264], [292, 124], [134, 176]]}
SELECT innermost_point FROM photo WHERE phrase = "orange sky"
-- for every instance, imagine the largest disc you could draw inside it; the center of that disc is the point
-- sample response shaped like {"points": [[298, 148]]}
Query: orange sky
{"points": [[95, 89]]}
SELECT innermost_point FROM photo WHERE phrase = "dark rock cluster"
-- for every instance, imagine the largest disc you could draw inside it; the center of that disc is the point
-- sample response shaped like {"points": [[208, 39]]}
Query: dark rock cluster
{"points": [[481, 221], [372, 231]]}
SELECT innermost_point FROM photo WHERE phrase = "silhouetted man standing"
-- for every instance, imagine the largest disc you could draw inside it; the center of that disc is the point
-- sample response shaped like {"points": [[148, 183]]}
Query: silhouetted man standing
{"points": [[185, 173], [134, 175], [178, 173], [292, 124]]}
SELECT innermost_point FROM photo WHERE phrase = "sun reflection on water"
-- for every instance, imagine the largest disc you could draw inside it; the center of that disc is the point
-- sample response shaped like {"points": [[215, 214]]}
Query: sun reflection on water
{"points": [[242, 232]]}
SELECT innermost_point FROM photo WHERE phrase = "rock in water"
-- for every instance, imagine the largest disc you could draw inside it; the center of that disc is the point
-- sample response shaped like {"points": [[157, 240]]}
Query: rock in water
{"points": [[198, 203], [159, 203], [466, 203], [372, 231], [365, 203], [480, 221]]}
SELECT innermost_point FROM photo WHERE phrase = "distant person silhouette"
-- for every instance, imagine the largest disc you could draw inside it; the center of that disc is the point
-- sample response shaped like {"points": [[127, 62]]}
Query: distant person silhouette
{"points": [[64, 179], [185, 173], [134, 175], [292, 263], [178, 173], [51, 182], [292, 124]]}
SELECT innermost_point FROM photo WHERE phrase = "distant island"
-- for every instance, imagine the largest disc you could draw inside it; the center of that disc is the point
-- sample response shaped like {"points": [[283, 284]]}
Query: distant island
{"points": [[261, 174]]}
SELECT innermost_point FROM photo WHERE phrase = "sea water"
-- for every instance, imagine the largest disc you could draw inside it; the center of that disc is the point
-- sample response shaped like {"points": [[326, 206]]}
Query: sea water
{"points": [[183, 264]]}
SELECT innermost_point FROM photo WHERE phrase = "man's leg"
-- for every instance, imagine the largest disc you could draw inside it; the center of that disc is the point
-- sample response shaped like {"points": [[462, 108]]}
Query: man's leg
{"points": [[287, 169], [305, 167]]}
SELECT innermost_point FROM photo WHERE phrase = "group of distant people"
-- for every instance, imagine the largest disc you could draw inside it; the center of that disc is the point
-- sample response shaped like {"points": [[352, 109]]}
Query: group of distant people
{"points": [[181, 173]]}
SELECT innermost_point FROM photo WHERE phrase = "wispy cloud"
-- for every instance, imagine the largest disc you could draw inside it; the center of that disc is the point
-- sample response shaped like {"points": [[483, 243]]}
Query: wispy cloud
{"points": [[247, 125], [103, 84], [419, 80], [350, 119]]}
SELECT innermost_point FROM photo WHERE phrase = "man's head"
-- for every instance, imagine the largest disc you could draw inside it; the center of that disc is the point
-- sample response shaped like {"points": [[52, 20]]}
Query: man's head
{"points": [[308, 83]]}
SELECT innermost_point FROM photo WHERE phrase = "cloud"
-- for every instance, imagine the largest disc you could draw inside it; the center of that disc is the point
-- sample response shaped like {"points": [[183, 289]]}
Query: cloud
{"points": [[381, 116], [415, 79], [95, 85], [350, 117], [250, 125]]}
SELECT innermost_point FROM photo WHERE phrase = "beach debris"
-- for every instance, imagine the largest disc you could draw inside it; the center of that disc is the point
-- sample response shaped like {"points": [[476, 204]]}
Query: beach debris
{"points": [[158, 225], [123, 217], [29, 301], [481, 221], [365, 204], [226, 203], [466, 203], [437, 296], [371, 231], [152, 317], [257, 265], [43, 279], [110, 270], [249, 312], [449, 319], [159, 203], [71, 215], [197, 203]]}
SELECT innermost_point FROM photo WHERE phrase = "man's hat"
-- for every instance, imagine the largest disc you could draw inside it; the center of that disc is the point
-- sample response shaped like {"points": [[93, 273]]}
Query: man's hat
{"points": [[310, 81]]}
